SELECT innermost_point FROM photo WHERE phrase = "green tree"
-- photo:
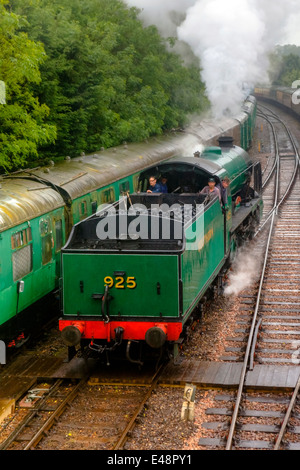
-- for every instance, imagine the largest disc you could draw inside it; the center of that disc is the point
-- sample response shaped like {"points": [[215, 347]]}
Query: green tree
{"points": [[107, 78], [23, 128], [285, 65]]}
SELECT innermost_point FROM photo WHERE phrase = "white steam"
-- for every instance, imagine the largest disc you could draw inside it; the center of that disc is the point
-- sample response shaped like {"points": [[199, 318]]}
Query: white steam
{"points": [[245, 272], [232, 39], [190, 144], [292, 31], [160, 12], [226, 37]]}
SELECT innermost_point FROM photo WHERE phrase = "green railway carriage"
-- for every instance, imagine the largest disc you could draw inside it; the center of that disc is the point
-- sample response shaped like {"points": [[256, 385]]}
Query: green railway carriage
{"points": [[248, 124], [28, 264], [39, 207], [142, 265]]}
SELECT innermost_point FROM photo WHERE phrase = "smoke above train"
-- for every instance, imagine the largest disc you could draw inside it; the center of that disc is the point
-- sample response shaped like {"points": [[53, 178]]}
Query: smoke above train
{"points": [[231, 38]]}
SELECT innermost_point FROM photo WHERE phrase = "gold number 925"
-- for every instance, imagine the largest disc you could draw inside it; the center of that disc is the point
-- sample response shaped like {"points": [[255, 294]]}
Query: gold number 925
{"points": [[120, 283]]}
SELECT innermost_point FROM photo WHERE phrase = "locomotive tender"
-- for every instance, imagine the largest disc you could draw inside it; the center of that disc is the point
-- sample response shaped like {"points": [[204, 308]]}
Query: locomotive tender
{"points": [[138, 287], [38, 208]]}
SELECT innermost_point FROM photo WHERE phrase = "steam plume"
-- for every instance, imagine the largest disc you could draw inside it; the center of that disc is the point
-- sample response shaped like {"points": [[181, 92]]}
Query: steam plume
{"points": [[232, 39], [245, 272]]}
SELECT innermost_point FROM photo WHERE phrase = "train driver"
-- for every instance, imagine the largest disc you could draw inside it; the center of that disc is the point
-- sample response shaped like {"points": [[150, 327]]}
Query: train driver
{"points": [[223, 189], [211, 189], [154, 186], [163, 184]]}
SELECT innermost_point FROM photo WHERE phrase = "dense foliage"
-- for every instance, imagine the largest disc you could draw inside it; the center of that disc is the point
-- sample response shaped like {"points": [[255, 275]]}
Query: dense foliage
{"points": [[104, 77], [23, 128], [285, 65]]}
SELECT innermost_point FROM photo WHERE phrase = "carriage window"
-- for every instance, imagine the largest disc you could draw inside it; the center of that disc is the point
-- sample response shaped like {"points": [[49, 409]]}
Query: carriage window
{"points": [[83, 209], [107, 196], [94, 207], [124, 187], [47, 248], [21, 238], [45, 226], [22, 262], [22, 254], [58, 235], [46, 236]]}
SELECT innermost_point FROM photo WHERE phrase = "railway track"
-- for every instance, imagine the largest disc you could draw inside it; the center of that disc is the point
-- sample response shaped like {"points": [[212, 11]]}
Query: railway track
{"points": [[51, 402], [279, 297], [282, 167], [269, 327], [107, 417]]}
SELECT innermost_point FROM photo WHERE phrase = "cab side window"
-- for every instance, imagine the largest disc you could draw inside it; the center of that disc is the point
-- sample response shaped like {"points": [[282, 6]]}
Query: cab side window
{"points": [[136, 183]]}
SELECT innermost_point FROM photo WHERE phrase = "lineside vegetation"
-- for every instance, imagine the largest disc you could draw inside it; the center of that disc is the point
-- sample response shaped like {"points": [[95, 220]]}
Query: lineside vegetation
{"points": [[86, 74]]}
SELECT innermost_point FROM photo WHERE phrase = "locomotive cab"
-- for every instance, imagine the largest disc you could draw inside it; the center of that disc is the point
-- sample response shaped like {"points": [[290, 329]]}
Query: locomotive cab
{"points": [[182, 177]]}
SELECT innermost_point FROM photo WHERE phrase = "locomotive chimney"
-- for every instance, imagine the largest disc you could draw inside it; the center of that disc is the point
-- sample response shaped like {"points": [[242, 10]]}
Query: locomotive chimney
{"points": [[226, 141]]}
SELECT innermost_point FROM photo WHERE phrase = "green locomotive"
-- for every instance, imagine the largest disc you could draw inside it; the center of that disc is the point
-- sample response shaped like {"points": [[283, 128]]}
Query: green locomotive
{"points": [[38, 208], [134, 272]]}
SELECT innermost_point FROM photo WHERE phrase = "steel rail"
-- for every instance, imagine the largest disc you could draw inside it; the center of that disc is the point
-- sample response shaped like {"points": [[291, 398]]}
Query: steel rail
{"points": [[13, 436], [140, 407], [249, 346], [56, 414], [287, 416], [50, 421], [254, 324], [292, 139], [297, 159], [292, 180], [276, 151], [252, 354]]}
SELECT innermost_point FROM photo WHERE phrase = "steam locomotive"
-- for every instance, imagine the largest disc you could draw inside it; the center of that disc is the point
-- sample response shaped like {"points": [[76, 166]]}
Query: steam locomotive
{"points": [[39, 207], [134, 272]]}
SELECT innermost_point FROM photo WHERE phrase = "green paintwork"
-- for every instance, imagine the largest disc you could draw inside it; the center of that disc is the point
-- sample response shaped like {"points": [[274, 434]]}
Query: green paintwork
{"points": [[41, 280], [234, 163], [184, 275], [200, 265], [142, 301]]}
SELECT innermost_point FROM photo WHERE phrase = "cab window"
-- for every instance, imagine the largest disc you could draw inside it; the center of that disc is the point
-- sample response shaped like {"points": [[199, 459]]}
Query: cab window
{"points": [[136, 186]]}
